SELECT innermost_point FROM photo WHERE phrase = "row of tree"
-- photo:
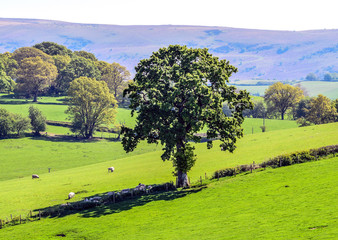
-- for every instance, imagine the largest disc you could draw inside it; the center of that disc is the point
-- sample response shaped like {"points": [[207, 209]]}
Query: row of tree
{"points": [[282, 100], [12, 123], [48, 68], [327, 77]]}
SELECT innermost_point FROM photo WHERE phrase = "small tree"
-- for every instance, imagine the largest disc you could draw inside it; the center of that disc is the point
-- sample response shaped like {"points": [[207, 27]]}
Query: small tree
{"points": [[20, 123], [281, 97], [6, 123], [90, 105], [311, 77], [178, 91], [38, 121]]}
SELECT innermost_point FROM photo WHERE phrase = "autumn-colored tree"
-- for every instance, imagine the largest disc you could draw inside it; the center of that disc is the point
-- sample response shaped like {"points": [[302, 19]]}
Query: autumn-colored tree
{"points": [[90, 105], [10, 65], [282, 97], [35, 75], [321, 110], [176, 93]]}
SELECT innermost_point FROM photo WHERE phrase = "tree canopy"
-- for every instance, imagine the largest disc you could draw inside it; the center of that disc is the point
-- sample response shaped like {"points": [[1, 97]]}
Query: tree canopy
{"points": [[38, 120], [282, 97], [6, 82], [321, 110], [115, 76], [35, 75], [178, 91], [77, 67], [52, 49], [90, 105]]}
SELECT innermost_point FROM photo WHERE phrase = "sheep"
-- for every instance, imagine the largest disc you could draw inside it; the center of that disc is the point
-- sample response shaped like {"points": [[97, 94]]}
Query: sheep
{"points": [[140, 187], [111, 169], [35, 176], [71, 195]]}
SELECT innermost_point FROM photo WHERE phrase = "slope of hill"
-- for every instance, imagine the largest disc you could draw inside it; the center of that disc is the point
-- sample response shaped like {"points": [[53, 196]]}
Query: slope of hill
{"points": [[257, 53]]}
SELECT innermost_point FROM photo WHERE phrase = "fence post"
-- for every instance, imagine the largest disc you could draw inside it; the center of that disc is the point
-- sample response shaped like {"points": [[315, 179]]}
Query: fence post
{"points": [[205, 174], [201, 179], [39, 214], [280, 162], [113, 197], [235, 172], [20, 218], [11, 217]]}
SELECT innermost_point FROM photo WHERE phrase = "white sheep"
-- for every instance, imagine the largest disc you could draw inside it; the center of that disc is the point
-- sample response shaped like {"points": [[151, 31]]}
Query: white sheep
{"points": [[71, 195], [111, 169], [35, 176]]}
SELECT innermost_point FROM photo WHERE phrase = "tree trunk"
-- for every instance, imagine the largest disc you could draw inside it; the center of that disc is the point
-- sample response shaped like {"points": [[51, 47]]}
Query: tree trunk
{"points": [[282, 115], [182, 179], [35, 97]]}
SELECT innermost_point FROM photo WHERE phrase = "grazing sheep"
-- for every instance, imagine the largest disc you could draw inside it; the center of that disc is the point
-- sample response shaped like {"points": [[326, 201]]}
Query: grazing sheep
{"points": [[111, 169], [35, 176], [140, 187], [71, 195]]}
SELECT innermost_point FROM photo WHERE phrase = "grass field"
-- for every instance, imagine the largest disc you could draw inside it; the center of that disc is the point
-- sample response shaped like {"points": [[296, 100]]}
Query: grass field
{"points": [[313, 88], [288, 203], [295, 202], [82, 166]]}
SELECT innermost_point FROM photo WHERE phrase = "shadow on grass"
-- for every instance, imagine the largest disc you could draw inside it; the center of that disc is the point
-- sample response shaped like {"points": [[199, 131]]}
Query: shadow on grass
{"points": [[66, 138], [17, 102], [108, 208]]}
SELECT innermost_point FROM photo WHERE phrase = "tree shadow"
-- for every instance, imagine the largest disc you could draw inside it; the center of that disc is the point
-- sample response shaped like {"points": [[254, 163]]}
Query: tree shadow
{"points": [[108, 208], [69, 138]]}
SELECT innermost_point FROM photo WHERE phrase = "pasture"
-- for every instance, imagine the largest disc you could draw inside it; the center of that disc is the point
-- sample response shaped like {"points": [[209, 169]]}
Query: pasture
{"points": [[82, 166], [295, 202], [257, 205]]}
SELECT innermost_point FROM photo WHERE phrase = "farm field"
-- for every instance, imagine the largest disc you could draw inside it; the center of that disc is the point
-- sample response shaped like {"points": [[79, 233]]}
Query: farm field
{"points": [[53, 110], [294, 202], [313, 88], [82, 166]]}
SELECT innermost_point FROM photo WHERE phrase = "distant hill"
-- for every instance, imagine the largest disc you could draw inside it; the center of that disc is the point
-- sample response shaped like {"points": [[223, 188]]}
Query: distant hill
{"points": [[258, 54]]}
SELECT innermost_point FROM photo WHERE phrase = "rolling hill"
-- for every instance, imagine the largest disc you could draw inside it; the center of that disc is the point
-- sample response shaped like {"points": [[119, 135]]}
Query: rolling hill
{"points": [[259, 54]]}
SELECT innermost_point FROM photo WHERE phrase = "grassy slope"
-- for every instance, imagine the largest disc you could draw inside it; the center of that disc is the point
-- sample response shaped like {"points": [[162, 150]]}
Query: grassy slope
{"points": [[23, 194], [295, 202]]}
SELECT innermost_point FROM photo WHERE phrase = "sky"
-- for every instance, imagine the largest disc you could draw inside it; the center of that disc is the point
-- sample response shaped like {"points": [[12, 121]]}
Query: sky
{"points": [[254, 14]]}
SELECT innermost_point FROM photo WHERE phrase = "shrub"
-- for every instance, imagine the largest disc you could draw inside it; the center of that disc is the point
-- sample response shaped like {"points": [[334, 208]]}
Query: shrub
{"points": [[6, 123], [38, 121]]}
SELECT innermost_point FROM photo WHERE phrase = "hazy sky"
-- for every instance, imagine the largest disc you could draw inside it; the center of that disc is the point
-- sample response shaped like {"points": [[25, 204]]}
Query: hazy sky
{"points": [[258, 14]]}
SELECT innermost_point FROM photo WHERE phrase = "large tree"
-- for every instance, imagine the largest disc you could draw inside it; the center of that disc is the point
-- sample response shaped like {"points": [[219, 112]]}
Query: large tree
{"points": [[178, 91], [38, 120], [35, 75], [90, 105], [282, 97], [28, 52]]}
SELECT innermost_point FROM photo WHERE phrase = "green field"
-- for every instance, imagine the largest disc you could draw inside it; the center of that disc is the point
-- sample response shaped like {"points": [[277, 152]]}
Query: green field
{"points": [[313, 88], [295, 202], [82, 166], [252, 206]]}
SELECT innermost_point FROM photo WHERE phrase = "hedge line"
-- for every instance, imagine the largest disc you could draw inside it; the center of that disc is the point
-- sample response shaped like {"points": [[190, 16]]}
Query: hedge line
{"points": [[281, 160]]}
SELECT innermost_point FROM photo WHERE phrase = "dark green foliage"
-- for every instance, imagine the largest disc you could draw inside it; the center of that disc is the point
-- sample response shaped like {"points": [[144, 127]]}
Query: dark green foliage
{"points": [[38, 121], [300, 110], [178, 91], [6, 123], [52, 48], [78, 67], [86, 55], [311, 77]]}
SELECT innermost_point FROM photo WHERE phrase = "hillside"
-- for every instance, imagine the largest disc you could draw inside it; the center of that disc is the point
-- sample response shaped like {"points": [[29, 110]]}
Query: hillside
{"points": [[257, 53]]}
